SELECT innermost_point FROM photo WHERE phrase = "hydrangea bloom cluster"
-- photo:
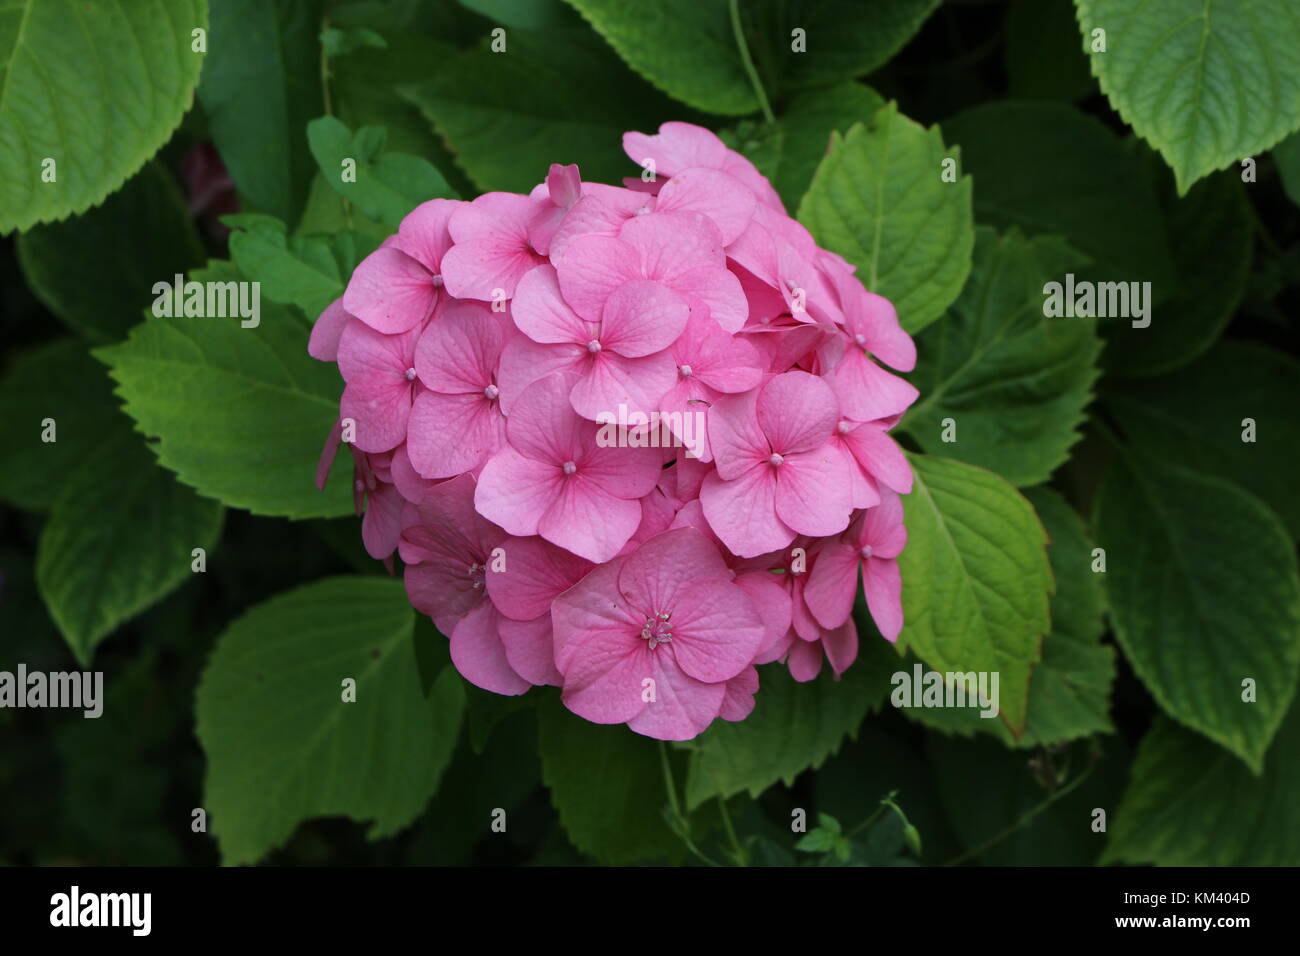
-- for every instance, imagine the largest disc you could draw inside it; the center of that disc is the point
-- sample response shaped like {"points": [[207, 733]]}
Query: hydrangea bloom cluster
{"points": [[628, 441]]}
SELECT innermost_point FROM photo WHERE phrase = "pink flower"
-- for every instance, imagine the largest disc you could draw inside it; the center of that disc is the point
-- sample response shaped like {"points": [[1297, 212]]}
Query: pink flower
{"points": [[865, 390], [681, 146], [447, 547], [652, 639], [492, 251], [523, 586], [380, 373], [618, 359], [396, 287], [456, 422], [681, 251], [777, 474], [873, 541], [554, 479]]}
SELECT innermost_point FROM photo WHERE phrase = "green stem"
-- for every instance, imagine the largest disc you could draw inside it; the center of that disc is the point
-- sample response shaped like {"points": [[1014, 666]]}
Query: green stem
{"points": [[748, 62], [682, 827], [1025, 818], [741, 857]]}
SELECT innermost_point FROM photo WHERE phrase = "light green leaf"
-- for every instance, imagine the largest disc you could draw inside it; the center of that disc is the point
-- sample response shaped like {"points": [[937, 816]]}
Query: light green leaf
{"points": [[1204, 593], [283, 746], [95, 87], [309, 272], [1013, 381], [616, 814], [119, 538], [551, 98], [1205, 83], [788, 153], [1190, 803], [387, 185], [1049, 169], [241, 414], [141, 235], [1069, 693], [793, 726], [58, 381], [976, 579], [261, 85], [1211, 233], [878, 200], [1199, 415]]}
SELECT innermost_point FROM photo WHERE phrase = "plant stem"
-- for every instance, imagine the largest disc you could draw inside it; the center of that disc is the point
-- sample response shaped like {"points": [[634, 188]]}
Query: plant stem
{"points": [[748, 62]]}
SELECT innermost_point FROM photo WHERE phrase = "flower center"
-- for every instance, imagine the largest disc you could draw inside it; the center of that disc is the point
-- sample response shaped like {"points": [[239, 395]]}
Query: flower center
{"points": [[593, 346], [477, 575], [658, 630], [570, 467], [491, 392], [643, 210], [437, 281], [686, 371], [410, 374], [866, 551], [776, 461], [843, 427], [861, 340]]}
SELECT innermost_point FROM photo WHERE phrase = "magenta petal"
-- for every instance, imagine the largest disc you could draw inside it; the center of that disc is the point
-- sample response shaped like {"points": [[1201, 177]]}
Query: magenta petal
{"points": [[529, 649], [682, 706], [832, 584], [813, 494], [515, 491], [743, 512], [390, 291], [479, 655], [610, 380], [883, 586], [451, 434], [641, 317]]}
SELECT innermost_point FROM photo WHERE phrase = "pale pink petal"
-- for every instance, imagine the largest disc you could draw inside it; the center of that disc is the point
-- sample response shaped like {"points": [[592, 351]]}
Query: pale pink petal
{"points": [[324, 341], [479, 655], [515, 491], [743, 512], [390, 291], [711, 193], [682, 707], [450, 434]]}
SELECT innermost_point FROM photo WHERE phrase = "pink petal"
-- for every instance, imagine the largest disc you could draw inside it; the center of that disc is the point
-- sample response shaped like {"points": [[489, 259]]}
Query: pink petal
{"points": [[382, 525], [866, 391], [516, 491], [841, 646], [742, 512], [529, 649], [737, 441], [524, 361], [423, 233], [541, 313], [711, 193], [738, 703], [460, 350], [479, 655], [610, 380], [451, 434], [641, 317], [677, 146], [805, 660], [813, 494], [589, 521], [390, 291], [716, 630], [832, 584], [655, 577], [324, 341], [883, 586], [880, 456], [592, 268], [797, 412], [535, 573], [683, 706]]}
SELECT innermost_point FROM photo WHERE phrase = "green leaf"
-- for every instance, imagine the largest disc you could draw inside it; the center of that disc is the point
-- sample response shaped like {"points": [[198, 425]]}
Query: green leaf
{"points": [[1069, 693], [976, 578], [1197, 417], [1190, 803], [119, 538], [1069, 696], [95, 87], [550, 98], [524, 14], [793, 726], [1287, 156], [59, 381], [988, 791], [283, 745], [687, 48], [1044, 55], [335, 42], [878, 200], [387, 185], [308, 271], [1204, 83], [241, 414], [1048, 169], [615, 814], [1204, 593], [1211, 233], [788, 153], [142, 234], [261, 85], [1013, 381]]}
